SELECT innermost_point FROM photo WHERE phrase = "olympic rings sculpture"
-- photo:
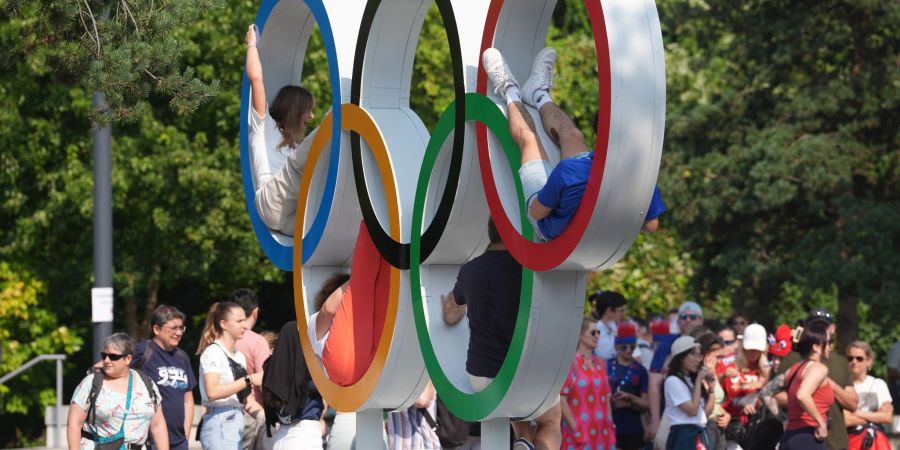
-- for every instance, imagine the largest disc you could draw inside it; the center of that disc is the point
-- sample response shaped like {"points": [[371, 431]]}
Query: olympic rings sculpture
{"points": [[419, 197]]}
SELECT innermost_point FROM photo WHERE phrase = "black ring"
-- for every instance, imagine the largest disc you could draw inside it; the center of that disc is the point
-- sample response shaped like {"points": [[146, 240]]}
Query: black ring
{"points": [[397, 253]]}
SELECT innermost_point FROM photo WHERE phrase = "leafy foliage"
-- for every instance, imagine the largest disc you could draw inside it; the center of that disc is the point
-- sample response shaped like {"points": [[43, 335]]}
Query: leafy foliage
{"points": [[123, 48], [28, 330]]}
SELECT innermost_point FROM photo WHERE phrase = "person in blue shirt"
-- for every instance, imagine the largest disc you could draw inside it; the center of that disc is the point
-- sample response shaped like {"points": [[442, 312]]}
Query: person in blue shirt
{"points": [[552, 194], [628, 381], [170, 368]]}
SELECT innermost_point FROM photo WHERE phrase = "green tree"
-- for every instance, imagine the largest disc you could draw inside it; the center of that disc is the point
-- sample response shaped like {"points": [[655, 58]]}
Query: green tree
{"points": [[122, 48], [781, 161], [28, 329]]}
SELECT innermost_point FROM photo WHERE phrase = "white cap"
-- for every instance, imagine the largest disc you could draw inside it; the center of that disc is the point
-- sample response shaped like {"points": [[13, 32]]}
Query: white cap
{"points": [[755, 338], [682, 344]]}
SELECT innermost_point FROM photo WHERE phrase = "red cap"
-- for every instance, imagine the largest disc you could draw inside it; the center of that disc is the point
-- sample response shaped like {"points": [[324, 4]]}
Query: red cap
{"points": [[659, 328], [626, 333], [780, 343]]}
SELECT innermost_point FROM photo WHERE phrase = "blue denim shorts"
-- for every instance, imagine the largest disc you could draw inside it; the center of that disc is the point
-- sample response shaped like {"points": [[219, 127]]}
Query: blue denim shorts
{"points": [[534, 176], [223, 428]]}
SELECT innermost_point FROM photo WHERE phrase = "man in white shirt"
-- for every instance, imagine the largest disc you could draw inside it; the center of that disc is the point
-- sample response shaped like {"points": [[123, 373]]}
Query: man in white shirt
{"points": [[609, 307]]}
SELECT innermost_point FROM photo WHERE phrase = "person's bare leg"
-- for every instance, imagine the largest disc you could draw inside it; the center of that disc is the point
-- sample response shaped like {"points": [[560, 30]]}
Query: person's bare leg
{"points": [[548, 435], [522, 128], [562, 129]]}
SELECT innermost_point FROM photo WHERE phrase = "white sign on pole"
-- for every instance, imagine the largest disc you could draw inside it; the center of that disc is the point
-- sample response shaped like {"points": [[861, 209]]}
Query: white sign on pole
{"points": [[102, 304]]}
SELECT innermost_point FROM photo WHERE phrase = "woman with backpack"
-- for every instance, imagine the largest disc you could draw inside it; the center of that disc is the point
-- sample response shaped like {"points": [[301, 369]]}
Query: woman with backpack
{"points": [[224, 383], [689, 394], [116, 406]]}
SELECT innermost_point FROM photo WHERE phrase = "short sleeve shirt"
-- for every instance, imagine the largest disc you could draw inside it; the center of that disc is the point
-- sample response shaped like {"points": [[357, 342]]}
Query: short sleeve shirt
{"points": [[662, 353], [489, 286], [657, 206], [110, 407], [215, 360], [173, 375], [256, 349], [563, 193], [632, 379], [606, 342], [873, 392], [679, 392]]}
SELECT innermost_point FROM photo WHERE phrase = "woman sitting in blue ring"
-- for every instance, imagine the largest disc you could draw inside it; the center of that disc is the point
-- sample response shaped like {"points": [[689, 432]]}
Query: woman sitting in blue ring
{"points": [[292, 109]]}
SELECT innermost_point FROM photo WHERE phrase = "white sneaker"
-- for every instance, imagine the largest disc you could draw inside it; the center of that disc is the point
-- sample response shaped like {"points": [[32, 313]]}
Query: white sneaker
{"points": [[541, 79], [497, 71]]}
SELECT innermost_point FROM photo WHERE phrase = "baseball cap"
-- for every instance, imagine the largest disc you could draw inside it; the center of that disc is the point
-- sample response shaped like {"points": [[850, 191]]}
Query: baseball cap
{"points": [[690, 306], [754, 337], [819, 314], [682, 344]]}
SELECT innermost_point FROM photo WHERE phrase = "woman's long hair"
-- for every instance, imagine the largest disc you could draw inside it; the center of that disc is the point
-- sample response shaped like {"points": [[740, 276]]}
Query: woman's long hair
{"points": [[218, 312], [288, 108], [742, 362]]}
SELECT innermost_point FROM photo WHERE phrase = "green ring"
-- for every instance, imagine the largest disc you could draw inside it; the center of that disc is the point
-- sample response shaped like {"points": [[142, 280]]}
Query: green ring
{"points": [[469, 407]]}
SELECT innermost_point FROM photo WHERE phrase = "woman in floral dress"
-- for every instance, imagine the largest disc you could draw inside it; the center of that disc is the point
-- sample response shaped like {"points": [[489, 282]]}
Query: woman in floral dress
{"points": [[587, 422]]}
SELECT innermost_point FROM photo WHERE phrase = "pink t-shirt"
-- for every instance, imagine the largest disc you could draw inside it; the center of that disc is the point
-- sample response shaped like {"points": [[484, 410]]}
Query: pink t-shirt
{"points": [[256, 349]]}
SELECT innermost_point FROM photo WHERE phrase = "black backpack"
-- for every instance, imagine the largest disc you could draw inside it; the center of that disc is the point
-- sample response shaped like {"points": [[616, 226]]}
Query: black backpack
{"points": [[451, 430]]}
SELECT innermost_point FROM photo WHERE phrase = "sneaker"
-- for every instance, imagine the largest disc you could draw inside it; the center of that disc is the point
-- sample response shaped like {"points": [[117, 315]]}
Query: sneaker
{"points": [[541, 79], [522, 444], [497, 71]]}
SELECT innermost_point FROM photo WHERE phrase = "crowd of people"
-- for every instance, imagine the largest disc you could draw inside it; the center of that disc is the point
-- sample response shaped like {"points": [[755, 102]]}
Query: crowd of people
{"points": [[679, 381]]}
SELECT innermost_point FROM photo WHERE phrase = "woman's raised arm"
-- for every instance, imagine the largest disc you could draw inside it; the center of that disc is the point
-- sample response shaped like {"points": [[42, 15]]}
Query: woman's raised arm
{"points": [[255, 72]]}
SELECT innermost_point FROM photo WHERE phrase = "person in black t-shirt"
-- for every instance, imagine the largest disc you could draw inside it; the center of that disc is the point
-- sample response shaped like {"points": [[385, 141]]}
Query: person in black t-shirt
{"points": [[170, 368], [487, 292]]}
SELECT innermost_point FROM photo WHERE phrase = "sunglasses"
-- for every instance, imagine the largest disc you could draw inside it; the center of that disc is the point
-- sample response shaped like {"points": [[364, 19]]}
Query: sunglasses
{"points": [[111, 356], [688, 316], [595, 333], [729, 342], [856, 358], [626, 347]]}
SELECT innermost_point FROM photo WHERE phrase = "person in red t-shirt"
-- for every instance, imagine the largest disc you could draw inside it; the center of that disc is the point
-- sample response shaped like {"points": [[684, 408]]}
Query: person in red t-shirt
{"points": [[748, 375]]}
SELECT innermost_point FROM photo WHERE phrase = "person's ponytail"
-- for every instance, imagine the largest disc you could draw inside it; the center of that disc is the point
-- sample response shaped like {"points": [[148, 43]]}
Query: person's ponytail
{"points": [[212, 329]]}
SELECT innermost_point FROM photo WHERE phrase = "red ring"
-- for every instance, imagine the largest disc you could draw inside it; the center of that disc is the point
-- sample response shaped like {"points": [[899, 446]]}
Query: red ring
{"points": [[548, 255]]}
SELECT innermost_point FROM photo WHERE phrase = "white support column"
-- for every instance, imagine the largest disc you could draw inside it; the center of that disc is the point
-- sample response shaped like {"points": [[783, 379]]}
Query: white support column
{"points": [[495, 433], [370, 429]]}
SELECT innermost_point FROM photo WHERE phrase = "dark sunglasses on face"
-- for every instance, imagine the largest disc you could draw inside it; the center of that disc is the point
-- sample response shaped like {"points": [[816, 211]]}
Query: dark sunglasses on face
{"points": [[595, 333], [688, 316], [111, 356], [625, 347], [856, 358]]}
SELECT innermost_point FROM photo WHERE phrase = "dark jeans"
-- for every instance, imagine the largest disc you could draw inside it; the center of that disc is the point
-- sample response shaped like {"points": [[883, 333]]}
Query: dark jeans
{"points": [[801, 439], [629, 441]]}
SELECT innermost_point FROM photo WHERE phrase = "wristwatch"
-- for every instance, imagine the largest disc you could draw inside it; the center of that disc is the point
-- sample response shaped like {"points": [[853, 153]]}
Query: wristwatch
{"points": [[247, 380]]}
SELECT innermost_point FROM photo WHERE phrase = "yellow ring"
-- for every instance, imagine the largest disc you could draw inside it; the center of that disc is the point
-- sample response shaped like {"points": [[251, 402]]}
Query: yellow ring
{"points": [[348, 398]]}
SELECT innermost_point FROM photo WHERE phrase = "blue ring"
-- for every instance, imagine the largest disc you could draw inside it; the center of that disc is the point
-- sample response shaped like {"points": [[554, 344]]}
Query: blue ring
{"points": [[282, 255]]}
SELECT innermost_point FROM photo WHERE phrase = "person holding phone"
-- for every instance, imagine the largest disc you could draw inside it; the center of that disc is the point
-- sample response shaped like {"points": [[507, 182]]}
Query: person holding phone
{"points": [[628, 381]]}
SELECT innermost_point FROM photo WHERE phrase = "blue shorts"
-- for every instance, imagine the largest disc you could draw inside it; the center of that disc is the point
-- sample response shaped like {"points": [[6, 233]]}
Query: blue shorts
{"points": [[534, 176], [223, 428]]}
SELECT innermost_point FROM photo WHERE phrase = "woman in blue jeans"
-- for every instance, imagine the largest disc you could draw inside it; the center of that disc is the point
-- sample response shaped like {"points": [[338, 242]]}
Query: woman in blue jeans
{"points": [[224, 383]]}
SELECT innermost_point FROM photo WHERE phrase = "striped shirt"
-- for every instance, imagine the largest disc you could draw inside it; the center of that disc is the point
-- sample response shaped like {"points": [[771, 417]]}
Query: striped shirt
{"points": [[408, 430]]}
